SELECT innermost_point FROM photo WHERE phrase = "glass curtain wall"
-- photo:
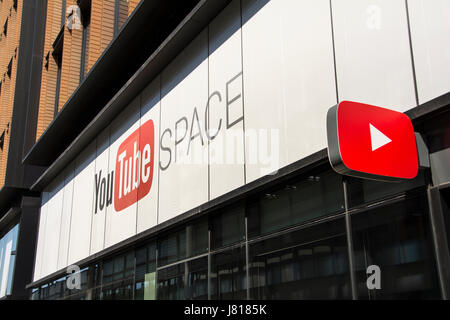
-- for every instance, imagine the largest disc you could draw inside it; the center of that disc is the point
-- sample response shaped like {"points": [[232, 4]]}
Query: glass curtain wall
{"points": [[286, 242], [8, 246]]}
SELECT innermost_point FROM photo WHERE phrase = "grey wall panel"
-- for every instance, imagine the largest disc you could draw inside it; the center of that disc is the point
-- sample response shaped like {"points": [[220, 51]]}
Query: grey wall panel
{"points": [[373, 54], [226, 108], [6, 247], [41, 237], [83, 190], [66, 216], [184, 83], [53, 225], [121, 225], [430, 34], [102, 182], [289, 81], [147, 215]]}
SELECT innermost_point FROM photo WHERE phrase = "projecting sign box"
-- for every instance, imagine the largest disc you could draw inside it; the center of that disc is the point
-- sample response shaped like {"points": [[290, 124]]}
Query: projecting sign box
{"points": [[371, 142]]}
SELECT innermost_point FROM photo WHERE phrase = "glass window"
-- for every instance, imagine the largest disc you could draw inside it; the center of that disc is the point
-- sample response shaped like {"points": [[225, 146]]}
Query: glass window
{"points": [[188, 242], [77, 294], [56, 289], [118, 278], [445, 202], [311, 263], [312, 197], [145, 278], [397, 239], [228, 228], [197, 239], [228, 275], [172, 248], [34, 294], [44, 292], [362, 192], [171, 283], [197, 271], [8, 245]]}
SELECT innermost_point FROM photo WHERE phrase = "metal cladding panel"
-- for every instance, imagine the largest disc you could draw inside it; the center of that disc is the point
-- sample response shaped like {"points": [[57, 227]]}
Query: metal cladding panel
{"points": [[102, 186], [83, 195], [147, 215], [373, 53], [41, 237], [430, 31], [121, 224], [6, 247], [288, 76], [226, 108], [53, 227], [184, 172], [66, 216]]}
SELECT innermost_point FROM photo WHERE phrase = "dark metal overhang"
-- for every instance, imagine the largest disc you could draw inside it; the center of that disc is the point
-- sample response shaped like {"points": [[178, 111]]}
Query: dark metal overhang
{"points": [[184, 33], [148, 26], [8, 218], [7, 197], [430, 109]]}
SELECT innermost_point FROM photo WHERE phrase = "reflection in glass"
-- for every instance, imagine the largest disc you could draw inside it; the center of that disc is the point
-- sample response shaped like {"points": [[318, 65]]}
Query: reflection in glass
{"points": [[197, 239], [118, 275], [172, 248], [145, 278], [308, 264], [291, 204], [363, 192], [171, 283], [8, 247], [228, 275], [197, 279], [190, 241], [228, 227], [397, 239]]}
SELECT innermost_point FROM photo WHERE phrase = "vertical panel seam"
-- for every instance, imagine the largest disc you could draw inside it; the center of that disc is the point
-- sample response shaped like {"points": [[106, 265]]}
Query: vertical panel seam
{"points": [[334, 52], [139, 168], [208, 37], [159, 146], [112, 185], [61, 220], [413, 64], [243, 92], [71, 211], [93, 200]]}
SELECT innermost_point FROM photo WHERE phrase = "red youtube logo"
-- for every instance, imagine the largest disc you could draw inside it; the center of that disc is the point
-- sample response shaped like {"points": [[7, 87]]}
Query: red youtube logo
{"points": [[134, 167], [371, 142]]}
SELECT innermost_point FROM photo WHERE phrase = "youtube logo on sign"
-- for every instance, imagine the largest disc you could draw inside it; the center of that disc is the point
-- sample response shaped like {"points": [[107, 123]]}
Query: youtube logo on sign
{"points": [[371, 142], [134, 167]]}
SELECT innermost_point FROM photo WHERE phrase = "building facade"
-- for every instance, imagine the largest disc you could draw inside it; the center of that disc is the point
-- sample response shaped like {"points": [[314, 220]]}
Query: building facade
{"points": [[179, 151]]}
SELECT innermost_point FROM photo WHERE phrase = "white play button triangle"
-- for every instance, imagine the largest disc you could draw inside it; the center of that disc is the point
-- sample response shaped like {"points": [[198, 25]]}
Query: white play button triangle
{"points": [[378, 138]]}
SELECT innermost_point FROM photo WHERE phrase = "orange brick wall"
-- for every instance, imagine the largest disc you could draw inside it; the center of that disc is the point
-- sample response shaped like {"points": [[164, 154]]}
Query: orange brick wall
{"points": [[9, 46], [99, 34], [71, 61], [102, 25], [132, 4], [49, 72], [123, 12], [102, 29]]}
